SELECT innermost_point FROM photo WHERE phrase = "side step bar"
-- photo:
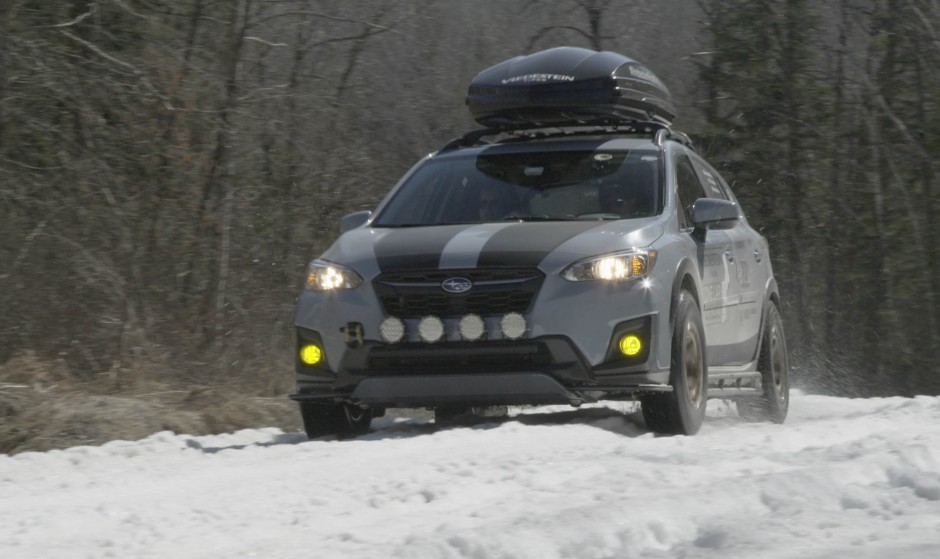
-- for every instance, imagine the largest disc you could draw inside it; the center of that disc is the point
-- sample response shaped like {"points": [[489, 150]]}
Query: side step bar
{"points": [[734, 384]]}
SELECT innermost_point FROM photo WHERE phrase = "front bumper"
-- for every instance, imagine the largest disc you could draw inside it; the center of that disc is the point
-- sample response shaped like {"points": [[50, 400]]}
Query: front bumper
{"points": [[476, 390], [568, 354], [546, 370]]}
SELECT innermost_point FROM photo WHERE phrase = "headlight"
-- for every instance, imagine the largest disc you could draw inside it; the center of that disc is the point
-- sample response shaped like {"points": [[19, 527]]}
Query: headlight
{"points": [[326, 276], [619, 266]]}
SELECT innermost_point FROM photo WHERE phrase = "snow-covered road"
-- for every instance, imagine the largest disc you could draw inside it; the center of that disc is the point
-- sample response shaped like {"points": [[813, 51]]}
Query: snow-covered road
{"points": [[842, 478]]}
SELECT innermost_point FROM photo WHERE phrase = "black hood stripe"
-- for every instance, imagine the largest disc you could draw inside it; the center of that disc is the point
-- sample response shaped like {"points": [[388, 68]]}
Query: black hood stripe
{"points": [[414, 247], [469, 246], [464, 249], [527, 244]]}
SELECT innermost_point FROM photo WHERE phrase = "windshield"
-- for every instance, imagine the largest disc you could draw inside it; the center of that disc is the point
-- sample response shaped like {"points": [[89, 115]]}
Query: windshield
{"points": [[497, 185]]}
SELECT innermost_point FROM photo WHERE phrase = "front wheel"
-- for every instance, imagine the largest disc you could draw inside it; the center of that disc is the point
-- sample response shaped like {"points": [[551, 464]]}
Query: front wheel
{"points": [[682, 411], [774, 367], [343, 420]]}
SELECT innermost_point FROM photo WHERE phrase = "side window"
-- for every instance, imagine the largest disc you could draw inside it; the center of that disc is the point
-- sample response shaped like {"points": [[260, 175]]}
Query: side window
{"points": [[689, 189], [725, 187], [711, 180]]}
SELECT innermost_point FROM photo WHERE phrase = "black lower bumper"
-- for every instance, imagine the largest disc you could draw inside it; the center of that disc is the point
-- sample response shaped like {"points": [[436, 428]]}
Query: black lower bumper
{"points": [[482, 390]]}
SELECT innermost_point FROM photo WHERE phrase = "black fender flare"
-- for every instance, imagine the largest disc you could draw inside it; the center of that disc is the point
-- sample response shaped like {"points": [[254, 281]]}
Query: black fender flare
{"points": [[686, 274], [771, 297]]}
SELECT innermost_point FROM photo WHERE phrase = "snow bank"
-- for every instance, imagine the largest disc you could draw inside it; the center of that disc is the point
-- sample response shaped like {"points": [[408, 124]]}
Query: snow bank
{"points": [[841, 478]]}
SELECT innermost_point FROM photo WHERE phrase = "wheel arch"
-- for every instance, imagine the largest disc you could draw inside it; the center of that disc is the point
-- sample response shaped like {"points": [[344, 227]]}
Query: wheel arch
{"points": [[771, 297], [687, 279]]}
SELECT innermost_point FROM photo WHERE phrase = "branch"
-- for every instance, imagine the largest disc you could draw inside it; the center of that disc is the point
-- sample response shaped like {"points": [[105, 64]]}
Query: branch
{"points": [[128, 9], [133, 69], [353, 59], [263, 42], [24, 250], [75, 21], [317, 15], [934, 38], [898, 123], [101, 53], [543, 31]]}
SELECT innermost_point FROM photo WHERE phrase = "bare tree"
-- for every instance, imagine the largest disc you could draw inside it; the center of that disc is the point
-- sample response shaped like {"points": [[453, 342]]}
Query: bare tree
{"points": [[594, 14]]}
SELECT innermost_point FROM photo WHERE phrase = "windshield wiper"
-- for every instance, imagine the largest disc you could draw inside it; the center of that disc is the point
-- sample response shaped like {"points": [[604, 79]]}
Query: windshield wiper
{"points": [[405, 225], [537, 218]]}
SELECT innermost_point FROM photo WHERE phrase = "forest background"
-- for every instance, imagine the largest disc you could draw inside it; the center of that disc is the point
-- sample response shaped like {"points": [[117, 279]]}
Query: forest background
{"points": [[168, 168]]}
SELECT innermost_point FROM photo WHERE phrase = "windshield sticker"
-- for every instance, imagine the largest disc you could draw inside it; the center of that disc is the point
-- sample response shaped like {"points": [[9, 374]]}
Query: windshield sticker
{"points": [[649, 158]]}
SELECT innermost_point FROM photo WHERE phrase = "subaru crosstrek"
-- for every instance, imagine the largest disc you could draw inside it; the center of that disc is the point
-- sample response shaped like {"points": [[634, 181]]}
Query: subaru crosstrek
{"points": [[577, 249]]}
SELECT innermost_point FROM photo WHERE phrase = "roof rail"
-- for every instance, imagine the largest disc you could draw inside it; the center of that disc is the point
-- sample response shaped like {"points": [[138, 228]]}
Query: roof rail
{"points": [[472, 138], [664, 134], [658, 131]]}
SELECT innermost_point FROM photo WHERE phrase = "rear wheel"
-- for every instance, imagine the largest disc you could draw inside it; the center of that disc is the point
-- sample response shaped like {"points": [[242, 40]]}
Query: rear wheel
{"points": [[774, 367], [334, 419], [682, 411]]}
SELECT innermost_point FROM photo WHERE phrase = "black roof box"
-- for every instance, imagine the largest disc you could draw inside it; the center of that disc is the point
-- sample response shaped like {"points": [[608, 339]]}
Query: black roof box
{"points": [[568, 86]]}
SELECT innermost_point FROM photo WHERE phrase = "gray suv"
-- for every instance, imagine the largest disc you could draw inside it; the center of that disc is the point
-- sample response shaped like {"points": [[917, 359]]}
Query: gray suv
{"points": [[575, 250]]}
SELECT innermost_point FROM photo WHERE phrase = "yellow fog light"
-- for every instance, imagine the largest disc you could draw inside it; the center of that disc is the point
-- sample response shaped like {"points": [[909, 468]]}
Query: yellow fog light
{"points": [[630, 345], [311, 354]]}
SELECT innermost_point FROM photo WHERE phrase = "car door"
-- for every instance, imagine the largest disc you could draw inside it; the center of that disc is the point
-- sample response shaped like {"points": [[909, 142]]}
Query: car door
{"points": [[748, 248], [716, 262]]}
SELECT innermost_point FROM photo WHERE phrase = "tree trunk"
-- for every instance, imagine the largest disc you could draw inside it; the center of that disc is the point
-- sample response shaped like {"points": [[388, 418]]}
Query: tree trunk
{"points": [[218, 190], [6, 8], [834, 321], [790, 80]]}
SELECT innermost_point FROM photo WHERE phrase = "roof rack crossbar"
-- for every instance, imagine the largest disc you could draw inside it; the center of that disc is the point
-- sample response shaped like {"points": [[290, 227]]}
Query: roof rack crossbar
{"points": [[659, 131]]}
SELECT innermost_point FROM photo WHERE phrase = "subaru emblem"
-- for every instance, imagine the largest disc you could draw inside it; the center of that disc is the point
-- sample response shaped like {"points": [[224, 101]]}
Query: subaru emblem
{"points": [[456, 285]]}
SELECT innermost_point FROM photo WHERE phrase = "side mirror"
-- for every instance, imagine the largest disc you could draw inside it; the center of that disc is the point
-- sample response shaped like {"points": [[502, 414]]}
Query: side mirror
{"points": [[713, 213], [353, 220]]}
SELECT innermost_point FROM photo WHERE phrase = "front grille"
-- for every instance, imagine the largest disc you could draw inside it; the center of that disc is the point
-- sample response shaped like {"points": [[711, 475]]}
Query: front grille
{"points": [[474, 274], [418, 305], [418, 293]]}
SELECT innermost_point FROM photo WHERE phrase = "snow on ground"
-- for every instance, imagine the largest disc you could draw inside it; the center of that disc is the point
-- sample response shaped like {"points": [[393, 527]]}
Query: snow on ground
{"points": [[842, 478]]}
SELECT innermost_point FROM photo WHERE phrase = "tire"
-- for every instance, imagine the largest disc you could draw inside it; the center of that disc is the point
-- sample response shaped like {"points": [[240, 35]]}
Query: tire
{"points": [[774, 367], [343, 420], [682, 411]]}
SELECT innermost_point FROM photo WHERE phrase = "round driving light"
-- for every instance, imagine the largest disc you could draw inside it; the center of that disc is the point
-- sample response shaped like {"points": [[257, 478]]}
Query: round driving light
{"points": [[471, 327], [513, 325], [630, 345], [392, 330], [311, 354], [431, 329]]}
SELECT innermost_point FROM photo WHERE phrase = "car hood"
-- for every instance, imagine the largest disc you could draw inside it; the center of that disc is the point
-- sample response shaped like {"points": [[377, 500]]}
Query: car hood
{"points": [[549, 246]]}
